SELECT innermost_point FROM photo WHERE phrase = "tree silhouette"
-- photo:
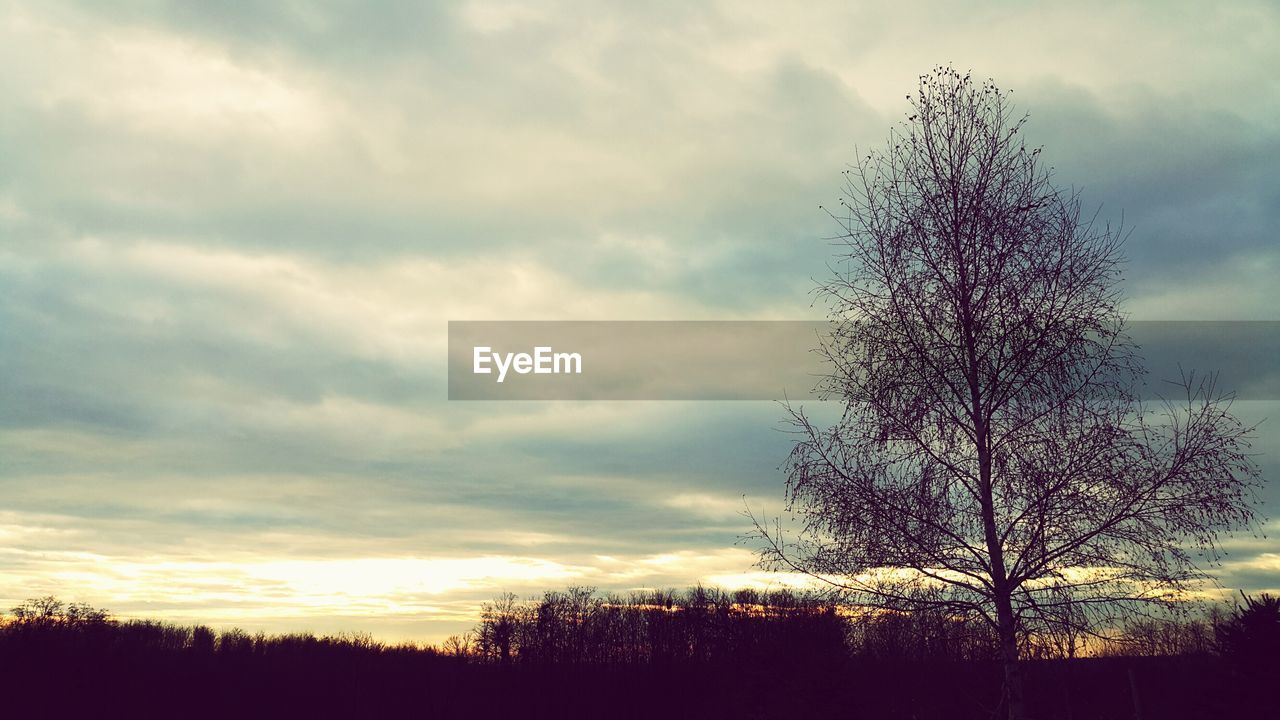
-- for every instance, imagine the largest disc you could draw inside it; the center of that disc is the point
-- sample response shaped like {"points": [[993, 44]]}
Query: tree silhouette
{"points": [[48, 611], [993, 459], [1250, 636]]}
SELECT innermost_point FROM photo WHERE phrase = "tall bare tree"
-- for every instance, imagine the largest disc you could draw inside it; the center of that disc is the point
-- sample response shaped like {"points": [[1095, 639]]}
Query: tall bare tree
{"points": [[994, 458]]}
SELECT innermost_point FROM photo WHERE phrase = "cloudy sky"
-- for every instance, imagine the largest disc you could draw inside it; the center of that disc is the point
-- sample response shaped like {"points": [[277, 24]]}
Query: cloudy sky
{"points": [[232, 234]]}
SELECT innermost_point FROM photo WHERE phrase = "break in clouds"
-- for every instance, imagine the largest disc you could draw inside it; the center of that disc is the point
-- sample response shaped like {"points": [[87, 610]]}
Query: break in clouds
{"points": [[231, 237]]}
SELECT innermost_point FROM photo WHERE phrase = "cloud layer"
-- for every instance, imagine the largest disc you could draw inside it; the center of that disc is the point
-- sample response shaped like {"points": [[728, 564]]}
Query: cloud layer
{"points": [[231, 235]]}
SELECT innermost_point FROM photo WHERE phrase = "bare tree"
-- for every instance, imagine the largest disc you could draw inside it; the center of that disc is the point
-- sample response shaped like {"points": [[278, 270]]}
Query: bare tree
{"points": [[49, 611], [994, 459], [459, 646], [497, 637]]}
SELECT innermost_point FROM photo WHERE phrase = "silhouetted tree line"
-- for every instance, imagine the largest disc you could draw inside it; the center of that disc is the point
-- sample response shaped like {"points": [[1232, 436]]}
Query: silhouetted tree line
{"points": [[698, 626], [698, 653]]}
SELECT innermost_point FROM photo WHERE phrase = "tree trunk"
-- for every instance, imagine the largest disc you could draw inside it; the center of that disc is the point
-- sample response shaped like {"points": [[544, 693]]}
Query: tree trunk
{"points": [[1001, 586], [1009, 657]]}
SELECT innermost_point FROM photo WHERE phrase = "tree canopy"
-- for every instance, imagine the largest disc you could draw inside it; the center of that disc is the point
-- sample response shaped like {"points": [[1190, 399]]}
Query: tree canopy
{"points": [[994, 457]]}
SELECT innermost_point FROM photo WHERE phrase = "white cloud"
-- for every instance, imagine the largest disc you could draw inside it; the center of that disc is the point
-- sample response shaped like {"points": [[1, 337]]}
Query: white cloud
{"points": [[158, 82], [706, 505]]}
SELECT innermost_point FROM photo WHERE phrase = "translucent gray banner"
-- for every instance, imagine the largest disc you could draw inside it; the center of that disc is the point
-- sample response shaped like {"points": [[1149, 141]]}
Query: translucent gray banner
{"points": [[770, 360]]}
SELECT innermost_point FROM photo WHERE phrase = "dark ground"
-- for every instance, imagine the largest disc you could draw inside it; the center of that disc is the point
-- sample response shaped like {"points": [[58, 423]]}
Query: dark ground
{"points": [[105, 676]]}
